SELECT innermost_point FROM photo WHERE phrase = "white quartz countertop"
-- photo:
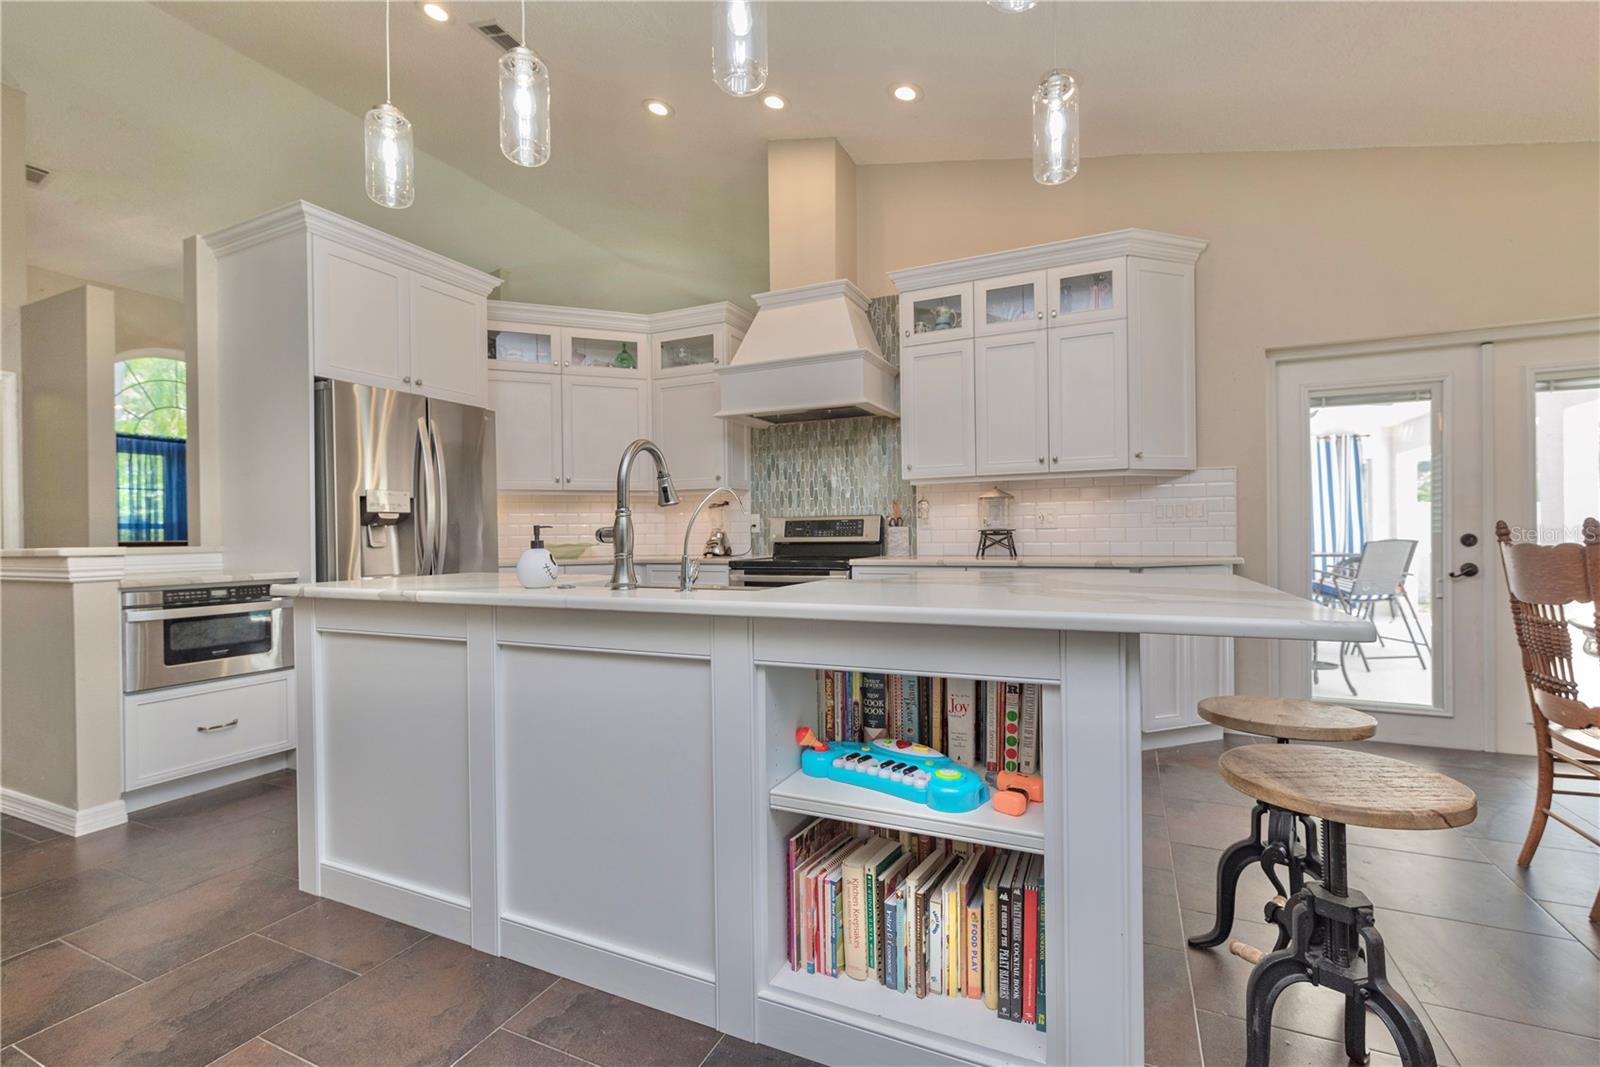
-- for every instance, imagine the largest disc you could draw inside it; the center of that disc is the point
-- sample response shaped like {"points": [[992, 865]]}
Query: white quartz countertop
{"points": [[181, 579], [1118, 602], [1050, 562]]}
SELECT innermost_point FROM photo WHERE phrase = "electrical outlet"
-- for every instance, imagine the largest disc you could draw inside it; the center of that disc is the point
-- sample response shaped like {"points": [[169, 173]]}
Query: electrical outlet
{"points": [[1048, 517]]}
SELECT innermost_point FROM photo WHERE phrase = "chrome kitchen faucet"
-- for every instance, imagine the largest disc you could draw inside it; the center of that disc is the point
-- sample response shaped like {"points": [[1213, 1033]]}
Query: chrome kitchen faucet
{"points": [[620, 532]]}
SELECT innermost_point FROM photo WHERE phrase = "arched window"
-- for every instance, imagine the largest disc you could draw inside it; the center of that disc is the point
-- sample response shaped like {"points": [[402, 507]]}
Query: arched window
{"points": [[152, 424]]}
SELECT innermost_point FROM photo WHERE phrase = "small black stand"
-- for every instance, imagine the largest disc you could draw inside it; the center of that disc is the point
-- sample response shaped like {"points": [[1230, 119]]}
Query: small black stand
{"points": [[988, 539]]}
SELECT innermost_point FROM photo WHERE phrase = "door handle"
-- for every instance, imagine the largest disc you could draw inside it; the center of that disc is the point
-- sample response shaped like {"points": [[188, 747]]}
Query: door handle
{"points": [[217, 726], [1468, 570], [423, 518], [441, 517]]}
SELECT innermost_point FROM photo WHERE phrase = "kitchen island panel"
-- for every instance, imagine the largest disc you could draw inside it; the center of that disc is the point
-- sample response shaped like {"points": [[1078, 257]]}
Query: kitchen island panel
{"points": [[606, 820], [392, 773]]}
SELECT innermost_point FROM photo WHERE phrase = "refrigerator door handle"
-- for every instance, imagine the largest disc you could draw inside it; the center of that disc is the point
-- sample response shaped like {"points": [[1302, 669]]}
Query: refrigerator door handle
{"points": [[441, 517], [425, 517]]}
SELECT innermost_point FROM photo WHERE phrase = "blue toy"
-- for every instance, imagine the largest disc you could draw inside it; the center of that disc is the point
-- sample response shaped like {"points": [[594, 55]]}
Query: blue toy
{"points": [[897, 767]]}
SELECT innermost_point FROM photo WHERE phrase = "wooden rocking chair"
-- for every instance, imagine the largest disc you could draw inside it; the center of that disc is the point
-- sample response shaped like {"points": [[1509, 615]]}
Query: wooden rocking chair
{"points": [[1542, 580]]}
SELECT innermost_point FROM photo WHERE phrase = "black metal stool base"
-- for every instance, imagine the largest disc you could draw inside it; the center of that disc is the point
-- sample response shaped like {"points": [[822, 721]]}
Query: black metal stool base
{"points": [[1279, 846], [1328, 939]]}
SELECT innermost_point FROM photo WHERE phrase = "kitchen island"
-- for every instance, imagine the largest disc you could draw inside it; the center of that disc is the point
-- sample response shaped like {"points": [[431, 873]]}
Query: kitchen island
{"points": [[602, 784]]}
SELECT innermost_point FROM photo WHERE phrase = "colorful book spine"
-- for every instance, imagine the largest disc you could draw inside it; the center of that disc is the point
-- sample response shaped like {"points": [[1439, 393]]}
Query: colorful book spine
{"points": [[874, 707], [1016, 938], [925, 698], [911, 688], [1038, 1010], [891, 943], [960, 714], [1030, 942], [1030, 728], [853, 720], [1011, 728], [1003, 955]]}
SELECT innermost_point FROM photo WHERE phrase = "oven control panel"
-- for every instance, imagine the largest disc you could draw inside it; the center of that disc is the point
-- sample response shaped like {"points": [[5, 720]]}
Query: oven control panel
{"points": [[215, 594], [832, 528]]}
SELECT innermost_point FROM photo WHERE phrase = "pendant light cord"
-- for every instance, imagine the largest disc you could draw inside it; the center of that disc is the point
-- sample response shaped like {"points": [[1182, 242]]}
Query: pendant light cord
{"points": [[524, 41], [388, 88]]}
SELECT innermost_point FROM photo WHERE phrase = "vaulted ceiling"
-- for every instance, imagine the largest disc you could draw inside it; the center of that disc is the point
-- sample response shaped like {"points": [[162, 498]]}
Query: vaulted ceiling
{"points": [[160, 121]]}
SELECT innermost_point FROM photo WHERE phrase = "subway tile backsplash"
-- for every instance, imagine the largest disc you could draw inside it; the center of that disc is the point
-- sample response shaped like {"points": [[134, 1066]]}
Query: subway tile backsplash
{"points": [[1194, 514], [574, 517]]}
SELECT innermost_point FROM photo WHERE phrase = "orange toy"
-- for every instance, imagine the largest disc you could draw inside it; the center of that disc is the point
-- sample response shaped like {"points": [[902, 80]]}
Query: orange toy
{"points": [[1010, 802], [806, 736], [1031, 784]]}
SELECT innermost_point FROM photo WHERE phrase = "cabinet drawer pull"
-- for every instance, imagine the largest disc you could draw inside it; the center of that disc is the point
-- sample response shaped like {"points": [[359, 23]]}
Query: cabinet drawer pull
{"points": [[230, 724]]}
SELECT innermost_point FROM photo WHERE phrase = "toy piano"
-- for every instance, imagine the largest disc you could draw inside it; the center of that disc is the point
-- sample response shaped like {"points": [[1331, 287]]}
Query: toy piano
{"points": [[897, 767]]}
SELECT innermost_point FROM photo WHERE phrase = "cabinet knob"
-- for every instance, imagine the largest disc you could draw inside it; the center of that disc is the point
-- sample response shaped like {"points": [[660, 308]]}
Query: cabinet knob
{"points": [[1052, 313], [1041, 459], [569, 481], [908, 333], [419, 381], [407, 379], [1055, 459], [1138, 455], [557, 479], [1039, 314], [719, 477]]}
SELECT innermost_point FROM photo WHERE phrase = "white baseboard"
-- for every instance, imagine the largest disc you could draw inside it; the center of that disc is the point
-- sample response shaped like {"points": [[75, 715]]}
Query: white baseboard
{"points": [[73, 822], [161, 792], [1182, 735]]}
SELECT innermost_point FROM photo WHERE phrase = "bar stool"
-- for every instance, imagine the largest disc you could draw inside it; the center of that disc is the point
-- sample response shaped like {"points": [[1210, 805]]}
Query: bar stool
{"points": [[1328, 937], [1280, 844]]}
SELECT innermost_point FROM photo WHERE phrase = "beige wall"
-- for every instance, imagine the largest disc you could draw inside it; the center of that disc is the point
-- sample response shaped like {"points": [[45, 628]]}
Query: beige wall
{"points": [[1305, 248], [68, 440], [811, 212], [142, 319], [13, 224]]}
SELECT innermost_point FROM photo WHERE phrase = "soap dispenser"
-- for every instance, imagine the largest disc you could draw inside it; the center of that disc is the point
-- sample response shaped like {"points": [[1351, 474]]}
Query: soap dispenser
{"points": [[536, 569]]}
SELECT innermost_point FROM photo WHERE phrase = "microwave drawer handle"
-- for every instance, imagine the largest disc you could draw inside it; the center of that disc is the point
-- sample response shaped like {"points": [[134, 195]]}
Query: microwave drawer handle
{"points": [[246, 608], [230, 724]]}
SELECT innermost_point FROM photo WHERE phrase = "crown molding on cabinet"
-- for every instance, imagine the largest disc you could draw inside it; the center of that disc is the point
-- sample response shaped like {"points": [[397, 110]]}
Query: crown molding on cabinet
{"points": [[717, 314], [302, 217], [1148, 244]]}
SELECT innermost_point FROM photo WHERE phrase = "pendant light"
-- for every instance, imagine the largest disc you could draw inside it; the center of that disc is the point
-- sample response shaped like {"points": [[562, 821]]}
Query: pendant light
{"points": [[739, 46], [1055, 123], [524, 104], [391, 159]]}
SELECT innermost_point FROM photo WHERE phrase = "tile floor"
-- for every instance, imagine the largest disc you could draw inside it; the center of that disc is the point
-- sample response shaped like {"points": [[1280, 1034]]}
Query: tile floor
{"points": [[180, 938]]}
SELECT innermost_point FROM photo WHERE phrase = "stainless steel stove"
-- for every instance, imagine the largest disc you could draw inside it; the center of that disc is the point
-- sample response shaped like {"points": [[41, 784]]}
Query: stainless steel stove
{"points": [[812, 547]]}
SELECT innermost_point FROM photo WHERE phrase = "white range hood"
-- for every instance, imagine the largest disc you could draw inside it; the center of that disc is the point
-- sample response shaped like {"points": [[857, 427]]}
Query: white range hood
{"points": [[809, 354]]}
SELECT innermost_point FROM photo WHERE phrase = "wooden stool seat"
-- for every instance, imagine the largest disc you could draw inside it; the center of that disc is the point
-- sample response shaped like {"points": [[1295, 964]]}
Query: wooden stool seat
{"points": [[1288, 720], [1355, 788]]}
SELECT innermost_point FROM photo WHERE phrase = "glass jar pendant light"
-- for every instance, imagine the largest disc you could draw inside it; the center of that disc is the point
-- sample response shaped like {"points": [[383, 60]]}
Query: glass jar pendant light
{"points": [[1055, 128], [391, 158], [739, 46], [524, 104]]}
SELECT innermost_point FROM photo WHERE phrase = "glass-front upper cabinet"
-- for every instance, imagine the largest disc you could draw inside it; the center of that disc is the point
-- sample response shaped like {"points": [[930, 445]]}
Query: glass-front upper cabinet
{"points": [[604, 353], [518, 346], [1010, 304], [690, 351], [940, 314], [1088, 292]]}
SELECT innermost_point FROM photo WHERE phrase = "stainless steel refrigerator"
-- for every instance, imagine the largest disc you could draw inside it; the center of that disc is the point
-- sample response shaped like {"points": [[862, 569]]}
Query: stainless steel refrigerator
{"points": [[405, 484]]}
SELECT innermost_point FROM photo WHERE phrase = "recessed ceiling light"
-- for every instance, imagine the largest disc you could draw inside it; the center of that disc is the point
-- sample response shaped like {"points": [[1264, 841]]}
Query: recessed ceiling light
{"points": [[775, 102], [659, 108], [905, 92], [436, 12]]}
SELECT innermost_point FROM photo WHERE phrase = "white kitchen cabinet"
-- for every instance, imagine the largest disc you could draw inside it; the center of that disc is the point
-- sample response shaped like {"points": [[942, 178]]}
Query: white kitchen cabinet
{"points": [[696, 350], [936, 410], [1117, 313], [527, 429], [1087, 292], [609, 353], [1176, 673], [526, 347], [600, 417], [359, 322], [377, 322], [173, 733], [704, 451], [1089, 397], [1013, 403], [447, 325], [939, 314], [1011, 303], [1161, 400]]}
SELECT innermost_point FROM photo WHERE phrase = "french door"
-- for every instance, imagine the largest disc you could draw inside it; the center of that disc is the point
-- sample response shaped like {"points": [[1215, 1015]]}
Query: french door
{"points": [[1379, 509]]}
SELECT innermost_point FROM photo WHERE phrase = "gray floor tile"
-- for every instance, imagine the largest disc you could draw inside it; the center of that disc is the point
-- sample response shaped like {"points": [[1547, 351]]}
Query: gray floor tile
{"points": [[1222, 1041], [1561, 875], [1575, 917], [1161, 923], [1541, 981], [505, 1049], [258, 1053], [1472, 891], [353, 939], [47, 911], [1201, 822], [1174, 1042], [1479, 1039], [610, 1031], [731, 1052], [1509, 822], [51, 983]]}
